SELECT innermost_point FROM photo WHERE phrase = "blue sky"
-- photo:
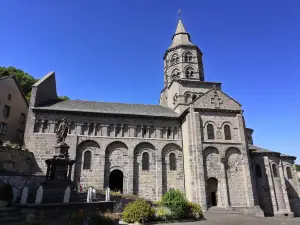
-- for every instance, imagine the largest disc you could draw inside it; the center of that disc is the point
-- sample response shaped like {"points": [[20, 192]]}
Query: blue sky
{"points": [[112, 51]]}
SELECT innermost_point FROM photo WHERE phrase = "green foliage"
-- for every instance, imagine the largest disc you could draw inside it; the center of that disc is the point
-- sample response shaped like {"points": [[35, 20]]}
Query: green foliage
{"points": [[176, 201], [138, 211], [25, 80], [298, 168], [6, 193], [195, 210], [64, 98], [163, 213]]}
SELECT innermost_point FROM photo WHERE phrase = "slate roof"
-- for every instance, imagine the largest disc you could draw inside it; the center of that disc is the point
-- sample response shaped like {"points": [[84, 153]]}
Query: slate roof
{"points": [[257, 149], [16, 81], [111, 108]]}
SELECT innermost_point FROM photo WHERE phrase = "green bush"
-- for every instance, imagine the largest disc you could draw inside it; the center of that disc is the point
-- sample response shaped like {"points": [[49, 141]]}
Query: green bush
{"points": [[195, 210], [163, 213], [6, 193], [176, 201], [137, 211]]}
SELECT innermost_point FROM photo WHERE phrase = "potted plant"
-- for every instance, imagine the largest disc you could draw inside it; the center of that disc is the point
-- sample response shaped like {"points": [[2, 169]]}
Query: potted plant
{"points": [[6, 195]]}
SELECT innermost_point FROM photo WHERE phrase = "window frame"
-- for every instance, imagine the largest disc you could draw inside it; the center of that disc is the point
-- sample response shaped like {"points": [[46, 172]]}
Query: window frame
{"points": [[227, 132], [145, 161], [210, 132], [172, 164], [275, 174], [289, 173], [87, 165], [6, 111], [22, 118]]}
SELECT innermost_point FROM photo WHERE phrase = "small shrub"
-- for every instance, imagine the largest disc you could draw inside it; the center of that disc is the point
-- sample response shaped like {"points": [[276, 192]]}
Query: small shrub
{"points": [[6, 193], [195, 210], [163, 213], [177, 202], [138, 211]]}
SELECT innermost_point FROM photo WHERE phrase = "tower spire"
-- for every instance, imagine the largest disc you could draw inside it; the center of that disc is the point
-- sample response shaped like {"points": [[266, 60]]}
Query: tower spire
{"points": [[181, 36]]}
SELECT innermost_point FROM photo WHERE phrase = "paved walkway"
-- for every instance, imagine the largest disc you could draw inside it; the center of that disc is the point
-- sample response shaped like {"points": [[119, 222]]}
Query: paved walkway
{"points": [[236, 219]]}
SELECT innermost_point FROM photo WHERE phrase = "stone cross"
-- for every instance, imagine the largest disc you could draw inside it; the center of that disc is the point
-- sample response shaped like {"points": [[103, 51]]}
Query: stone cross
{"points": [[216, 100]]}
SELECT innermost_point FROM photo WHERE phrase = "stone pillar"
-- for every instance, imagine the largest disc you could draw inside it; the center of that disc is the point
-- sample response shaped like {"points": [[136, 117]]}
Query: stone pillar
{"points": [[158, 132], [131, 131], [51, 127], [130, 172], [158, 159], [104, 130], [283, 185], [270, 182], [224, 182], [197, 156], [246, 163]]}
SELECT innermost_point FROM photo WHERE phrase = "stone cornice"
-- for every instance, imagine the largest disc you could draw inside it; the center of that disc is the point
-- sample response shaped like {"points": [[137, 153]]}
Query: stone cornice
{"points": [[182, 46]]}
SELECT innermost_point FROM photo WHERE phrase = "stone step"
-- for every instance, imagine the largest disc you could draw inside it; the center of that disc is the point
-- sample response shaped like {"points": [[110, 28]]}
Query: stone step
{"points": [[222, 210], [11, 215]]}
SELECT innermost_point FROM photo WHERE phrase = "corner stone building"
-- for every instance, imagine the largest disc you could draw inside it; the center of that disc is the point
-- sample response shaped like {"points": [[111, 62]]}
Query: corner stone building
{"points": [[195, 140]]}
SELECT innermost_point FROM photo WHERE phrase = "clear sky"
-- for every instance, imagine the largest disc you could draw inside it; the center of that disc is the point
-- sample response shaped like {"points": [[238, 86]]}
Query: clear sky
{"points": [[112, 51]]}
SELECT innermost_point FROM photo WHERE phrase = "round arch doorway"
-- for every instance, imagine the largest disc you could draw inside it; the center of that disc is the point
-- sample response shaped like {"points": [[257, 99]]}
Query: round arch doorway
{"points": [[116, 180], [212, 192]]}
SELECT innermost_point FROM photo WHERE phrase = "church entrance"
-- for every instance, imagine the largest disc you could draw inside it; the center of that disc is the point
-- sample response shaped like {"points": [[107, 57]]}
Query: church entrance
{"points": [[212, 192], [116, 181]]}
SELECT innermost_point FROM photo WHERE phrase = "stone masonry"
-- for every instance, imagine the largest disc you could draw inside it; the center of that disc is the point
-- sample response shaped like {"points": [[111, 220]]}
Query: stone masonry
{"points": [[195, 140]]}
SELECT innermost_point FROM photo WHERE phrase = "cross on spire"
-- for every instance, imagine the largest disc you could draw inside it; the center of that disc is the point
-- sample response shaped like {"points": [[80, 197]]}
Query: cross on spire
{"points": [[179, 14], [216, 100]]}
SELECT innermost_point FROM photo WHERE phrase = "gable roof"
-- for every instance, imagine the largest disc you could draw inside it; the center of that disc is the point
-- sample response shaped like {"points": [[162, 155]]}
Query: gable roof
{"points": [[204, 101], [257, 149], [16, 81], [110, 108]]}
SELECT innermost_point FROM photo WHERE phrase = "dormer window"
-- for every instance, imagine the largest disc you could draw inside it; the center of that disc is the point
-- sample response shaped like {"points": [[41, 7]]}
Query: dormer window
{"points": [[188, 57], [175, 59]]}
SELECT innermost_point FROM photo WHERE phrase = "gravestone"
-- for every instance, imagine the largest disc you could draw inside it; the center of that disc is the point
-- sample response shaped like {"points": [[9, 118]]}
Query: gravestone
{"points": [[24, 196], [107, 195]]}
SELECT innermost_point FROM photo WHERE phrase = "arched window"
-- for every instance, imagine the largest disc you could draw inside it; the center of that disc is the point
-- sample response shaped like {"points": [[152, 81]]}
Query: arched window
{"points": [[172, 159], [98, 130], [274, 169], [227, 132], [145, 161], [289, 173], [175, 59], [125, 130], [110, 130], [72, 127], [151, 131], [189, 72], [194, 97], [210, 132], [175, 133], [138, 130], [188, 57], [187, 98], [175, 74], [87, 160], [258, 171]]}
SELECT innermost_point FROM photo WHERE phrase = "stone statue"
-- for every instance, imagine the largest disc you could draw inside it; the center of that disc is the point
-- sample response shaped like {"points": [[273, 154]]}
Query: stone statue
{"points": [[62, 131]]}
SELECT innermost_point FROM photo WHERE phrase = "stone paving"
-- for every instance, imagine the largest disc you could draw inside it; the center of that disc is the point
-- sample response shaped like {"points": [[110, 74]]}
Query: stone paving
{"points": [[236, 219]]}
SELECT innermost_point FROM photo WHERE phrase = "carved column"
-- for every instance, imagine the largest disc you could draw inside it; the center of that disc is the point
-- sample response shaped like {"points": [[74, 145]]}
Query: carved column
{"points": [[224, 182]]}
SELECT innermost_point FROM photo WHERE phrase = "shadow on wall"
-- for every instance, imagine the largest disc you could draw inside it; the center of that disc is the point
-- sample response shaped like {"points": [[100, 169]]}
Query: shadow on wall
{"points": [[293, 198]]}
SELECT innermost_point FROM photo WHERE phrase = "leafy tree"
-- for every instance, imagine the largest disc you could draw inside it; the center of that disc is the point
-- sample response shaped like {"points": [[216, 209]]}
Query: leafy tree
{"points": [[25, 80], [298, 168]]}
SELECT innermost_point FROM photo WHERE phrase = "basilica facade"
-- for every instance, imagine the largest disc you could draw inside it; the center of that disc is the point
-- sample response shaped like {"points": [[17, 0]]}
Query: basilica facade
{"points": [[195, 140]]}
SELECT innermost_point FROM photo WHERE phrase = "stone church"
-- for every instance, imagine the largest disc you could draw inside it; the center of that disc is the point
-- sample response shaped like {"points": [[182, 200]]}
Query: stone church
{"points": [[195, 140]]}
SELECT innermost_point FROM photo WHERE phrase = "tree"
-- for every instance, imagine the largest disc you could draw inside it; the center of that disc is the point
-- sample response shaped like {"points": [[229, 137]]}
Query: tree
{"points": [[25, 80], [298, 168]]}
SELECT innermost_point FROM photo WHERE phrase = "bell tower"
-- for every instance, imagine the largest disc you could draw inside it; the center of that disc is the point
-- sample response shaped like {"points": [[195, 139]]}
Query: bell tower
{"points": [[183, 72]]}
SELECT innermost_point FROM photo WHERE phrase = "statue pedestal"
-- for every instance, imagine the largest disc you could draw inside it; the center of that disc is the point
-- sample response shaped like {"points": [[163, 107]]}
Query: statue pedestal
{"points": [[60, 166]]}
